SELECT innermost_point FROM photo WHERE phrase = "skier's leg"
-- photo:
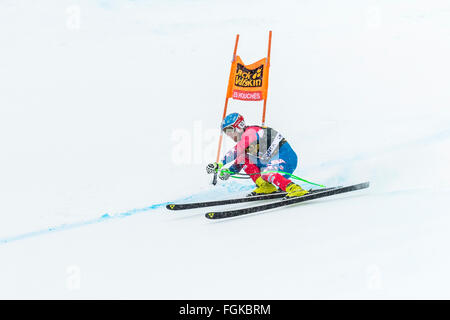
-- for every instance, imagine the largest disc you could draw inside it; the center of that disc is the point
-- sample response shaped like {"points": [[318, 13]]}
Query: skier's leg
{"points": [[275, 178], [285, 161], [251, 169], [263, 187]]}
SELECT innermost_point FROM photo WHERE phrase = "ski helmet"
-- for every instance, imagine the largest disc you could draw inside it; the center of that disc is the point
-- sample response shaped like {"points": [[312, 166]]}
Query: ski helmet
{"points": [[233, 120]]}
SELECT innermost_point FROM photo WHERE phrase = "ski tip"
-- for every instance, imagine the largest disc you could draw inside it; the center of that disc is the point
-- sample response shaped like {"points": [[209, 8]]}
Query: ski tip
{"points": [[365, 184], [362, 185], [171, 206], [210, 215]]}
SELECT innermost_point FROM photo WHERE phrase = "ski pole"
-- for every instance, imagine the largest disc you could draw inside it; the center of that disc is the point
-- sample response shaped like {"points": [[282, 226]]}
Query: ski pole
{"points": [[233, 175]]}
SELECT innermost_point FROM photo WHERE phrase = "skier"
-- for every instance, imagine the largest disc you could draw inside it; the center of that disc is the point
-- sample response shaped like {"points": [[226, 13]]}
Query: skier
{"points": [[259, 151]]}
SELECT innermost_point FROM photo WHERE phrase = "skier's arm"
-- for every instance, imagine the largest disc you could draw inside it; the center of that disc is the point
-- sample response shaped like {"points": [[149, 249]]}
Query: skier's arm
{"points": [[229, 157], [237, 154], [249, 137]]}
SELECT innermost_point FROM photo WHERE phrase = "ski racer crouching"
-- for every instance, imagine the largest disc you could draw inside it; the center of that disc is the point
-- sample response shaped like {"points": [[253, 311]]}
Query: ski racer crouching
{"points": [[259, 151]]}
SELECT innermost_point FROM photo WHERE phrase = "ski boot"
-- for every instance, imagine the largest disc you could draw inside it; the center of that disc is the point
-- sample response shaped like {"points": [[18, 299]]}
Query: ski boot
{"points": [[264, 187], [294, 190]]}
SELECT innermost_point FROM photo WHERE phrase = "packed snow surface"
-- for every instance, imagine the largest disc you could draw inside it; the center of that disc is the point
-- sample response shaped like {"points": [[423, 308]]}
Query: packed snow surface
{"points": [[109, 109]]}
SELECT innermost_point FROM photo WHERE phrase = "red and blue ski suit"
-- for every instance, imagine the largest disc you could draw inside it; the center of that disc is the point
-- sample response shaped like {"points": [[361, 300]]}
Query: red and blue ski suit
{"points": [[263, 149]]}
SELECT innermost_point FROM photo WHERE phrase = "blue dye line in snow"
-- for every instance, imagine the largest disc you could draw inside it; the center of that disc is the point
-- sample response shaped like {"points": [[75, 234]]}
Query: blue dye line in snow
{"points": [[63, 227], [232, 187]]}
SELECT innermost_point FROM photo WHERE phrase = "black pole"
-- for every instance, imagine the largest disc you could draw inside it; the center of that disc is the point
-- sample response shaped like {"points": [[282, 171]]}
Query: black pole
{"points": [[214, 182]]}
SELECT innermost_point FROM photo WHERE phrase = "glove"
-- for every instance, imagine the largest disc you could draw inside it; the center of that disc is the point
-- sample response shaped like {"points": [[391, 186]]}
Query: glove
{"points": [[224, 175], [213, 167]]}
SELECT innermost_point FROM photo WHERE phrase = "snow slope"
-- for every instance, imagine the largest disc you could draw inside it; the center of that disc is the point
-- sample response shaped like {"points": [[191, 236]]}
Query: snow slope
{"points": [[109, 109]]}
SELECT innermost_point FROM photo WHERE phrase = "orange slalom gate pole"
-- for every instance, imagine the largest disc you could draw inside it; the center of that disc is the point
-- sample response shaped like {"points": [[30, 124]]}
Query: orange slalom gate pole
{"points": [[267, 89], [225, 109]]}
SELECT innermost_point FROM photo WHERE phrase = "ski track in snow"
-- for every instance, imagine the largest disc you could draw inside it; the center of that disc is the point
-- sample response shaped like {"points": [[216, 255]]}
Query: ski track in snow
{"points": [[105, 217], [424, 141], [232, 188]]}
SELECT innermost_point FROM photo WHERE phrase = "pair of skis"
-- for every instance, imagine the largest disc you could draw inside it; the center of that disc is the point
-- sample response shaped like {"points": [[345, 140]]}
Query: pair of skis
{"points": [[313, 194]]}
